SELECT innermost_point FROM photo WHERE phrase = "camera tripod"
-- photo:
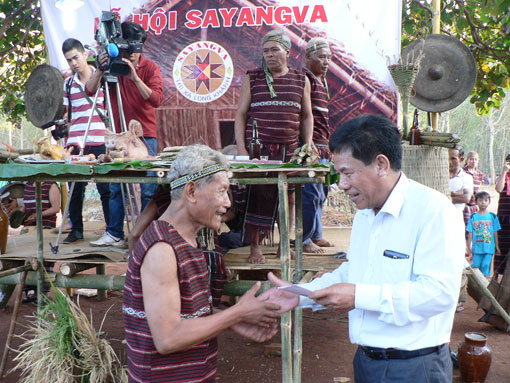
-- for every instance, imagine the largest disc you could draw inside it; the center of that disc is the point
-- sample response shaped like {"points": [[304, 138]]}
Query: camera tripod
{"points": [[127, 190]]}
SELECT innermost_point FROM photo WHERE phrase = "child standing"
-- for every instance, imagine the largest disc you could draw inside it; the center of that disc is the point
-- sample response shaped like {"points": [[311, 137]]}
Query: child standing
{"points": [[482, 241]]}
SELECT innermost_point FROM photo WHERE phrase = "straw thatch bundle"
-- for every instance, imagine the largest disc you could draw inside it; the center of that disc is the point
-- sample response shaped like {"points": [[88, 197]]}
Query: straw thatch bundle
{"points": [[427, 165], [61, 346]]}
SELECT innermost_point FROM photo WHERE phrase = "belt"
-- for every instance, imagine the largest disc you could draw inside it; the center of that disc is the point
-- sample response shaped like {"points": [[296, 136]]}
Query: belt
{"points": [[393, 353]]}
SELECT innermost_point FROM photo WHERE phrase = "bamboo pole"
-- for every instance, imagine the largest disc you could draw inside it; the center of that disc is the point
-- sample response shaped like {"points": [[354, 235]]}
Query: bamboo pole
{"points": [[116, 282], [40, 255], [283, 225], [15, 270], [439, 134], [240, 287], [298, 272], [12, 325], [68, 269], [89, 281], [436, 29], [501, 311], [274, 180]]}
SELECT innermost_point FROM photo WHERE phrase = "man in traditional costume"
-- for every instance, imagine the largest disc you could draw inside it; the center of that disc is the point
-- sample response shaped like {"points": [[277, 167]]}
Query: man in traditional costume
{"points": [[168, 308], [318, 56], [278, 98]]}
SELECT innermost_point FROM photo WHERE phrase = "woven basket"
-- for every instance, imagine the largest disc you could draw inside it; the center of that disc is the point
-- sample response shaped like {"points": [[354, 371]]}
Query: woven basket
{"points": [[427, 165], [404, 76]]}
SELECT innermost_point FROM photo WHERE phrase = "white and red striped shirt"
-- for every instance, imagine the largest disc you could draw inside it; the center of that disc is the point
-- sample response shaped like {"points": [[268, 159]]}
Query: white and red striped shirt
{"points": [[80, 114]]}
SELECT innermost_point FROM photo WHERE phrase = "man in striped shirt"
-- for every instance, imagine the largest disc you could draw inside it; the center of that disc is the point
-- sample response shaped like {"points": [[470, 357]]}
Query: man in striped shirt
{"points": [[79, 111]]}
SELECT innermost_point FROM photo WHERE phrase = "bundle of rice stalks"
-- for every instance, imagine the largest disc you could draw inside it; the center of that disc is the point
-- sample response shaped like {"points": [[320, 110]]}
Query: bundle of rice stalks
{"points": [[61, 346]]}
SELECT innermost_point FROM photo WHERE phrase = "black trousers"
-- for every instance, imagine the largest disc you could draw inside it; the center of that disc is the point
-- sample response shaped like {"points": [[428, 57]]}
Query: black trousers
{"points": [[432, 368]]}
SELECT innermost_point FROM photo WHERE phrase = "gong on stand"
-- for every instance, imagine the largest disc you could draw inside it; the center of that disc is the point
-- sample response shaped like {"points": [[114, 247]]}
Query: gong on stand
{"points": [[447, 72]]}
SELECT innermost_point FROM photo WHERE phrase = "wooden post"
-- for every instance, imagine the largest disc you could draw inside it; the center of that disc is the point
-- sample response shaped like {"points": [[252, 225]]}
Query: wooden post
{"points": [[286, 324], [436, 29], [40, 255], [298, 272], [12, 325], [101, 270]]}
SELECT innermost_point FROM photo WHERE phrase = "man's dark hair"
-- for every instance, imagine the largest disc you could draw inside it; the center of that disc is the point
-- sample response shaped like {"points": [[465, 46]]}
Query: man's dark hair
{"points": [[367, 136], [482, 195], [133, 32], [70, 44]]}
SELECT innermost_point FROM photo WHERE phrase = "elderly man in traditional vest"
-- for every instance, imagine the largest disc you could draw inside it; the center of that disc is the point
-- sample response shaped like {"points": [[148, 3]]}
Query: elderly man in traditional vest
{"points": [[318, 56], [278, 98], [168, 310]]}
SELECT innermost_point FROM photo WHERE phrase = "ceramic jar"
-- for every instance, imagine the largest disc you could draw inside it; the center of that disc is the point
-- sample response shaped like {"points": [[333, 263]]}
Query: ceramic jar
{"points": [[474, 357]]}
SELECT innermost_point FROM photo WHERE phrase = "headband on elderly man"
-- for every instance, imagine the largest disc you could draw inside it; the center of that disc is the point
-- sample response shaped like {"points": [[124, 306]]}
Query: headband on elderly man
{"points": [[286, 43], [316, 47], [207, 171]]}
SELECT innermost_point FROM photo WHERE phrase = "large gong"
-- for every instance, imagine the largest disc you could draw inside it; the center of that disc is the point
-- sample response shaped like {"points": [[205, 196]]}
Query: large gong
{"points": [[447, 72], [44, 95]]}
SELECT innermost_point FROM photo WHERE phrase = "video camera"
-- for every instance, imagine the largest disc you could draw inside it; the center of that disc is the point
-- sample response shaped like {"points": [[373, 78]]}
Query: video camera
{"points": [[61, 128], [110, 39]]}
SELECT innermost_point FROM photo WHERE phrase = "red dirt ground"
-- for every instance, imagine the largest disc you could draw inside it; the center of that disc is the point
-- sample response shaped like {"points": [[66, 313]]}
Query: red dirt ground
{"points": [[327, 352]]}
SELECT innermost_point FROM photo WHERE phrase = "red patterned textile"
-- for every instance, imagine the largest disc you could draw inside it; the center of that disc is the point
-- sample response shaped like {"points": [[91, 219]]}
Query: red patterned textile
{"points": [[320, 101], [277, 118], [145, 364]]}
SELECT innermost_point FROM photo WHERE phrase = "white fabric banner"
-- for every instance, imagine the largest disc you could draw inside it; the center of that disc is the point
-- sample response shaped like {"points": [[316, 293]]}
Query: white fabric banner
{"points": [[364, 36]]}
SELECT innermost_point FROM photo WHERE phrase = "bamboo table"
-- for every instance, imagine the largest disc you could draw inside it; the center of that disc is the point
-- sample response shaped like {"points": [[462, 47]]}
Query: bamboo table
{"points": [[136, 172]]}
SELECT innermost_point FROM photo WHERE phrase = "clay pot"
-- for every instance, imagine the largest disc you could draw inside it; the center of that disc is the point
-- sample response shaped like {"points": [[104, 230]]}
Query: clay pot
{"points": [[474, 357]]}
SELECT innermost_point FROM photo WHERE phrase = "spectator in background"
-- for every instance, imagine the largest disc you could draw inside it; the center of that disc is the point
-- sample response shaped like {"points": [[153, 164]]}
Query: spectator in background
{"points": [[318, 56], [461, 184], [50, 199], [483, 227], [503, 188], [471, 168], [461, 189]]}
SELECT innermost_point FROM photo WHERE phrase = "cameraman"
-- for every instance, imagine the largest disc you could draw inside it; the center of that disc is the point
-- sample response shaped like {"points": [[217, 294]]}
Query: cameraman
{"points": [[141, 92], [79, 109]]}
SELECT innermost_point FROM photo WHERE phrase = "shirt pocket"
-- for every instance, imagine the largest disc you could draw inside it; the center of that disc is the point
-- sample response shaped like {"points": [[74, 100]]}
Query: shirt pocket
{"points": [[395, 265]]}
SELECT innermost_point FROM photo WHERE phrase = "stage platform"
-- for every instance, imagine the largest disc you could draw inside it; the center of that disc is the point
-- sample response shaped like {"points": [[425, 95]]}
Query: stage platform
{"points": [[24, 246]]}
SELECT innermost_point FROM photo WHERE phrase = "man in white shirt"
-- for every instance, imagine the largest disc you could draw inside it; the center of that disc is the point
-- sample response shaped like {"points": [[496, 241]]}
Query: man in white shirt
{"points": [[461, 183], [401, 282]]}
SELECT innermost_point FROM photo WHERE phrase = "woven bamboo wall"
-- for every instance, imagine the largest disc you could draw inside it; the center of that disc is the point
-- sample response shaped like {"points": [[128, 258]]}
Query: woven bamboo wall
{"points": [[427, 165], [187, 126]]}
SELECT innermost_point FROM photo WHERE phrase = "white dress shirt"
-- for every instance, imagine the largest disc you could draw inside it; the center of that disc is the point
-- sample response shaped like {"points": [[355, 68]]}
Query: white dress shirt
{"points": [[461, 181], [404, 303]]}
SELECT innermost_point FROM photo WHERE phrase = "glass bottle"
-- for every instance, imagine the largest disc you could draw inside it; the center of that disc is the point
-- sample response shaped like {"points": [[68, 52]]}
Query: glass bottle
{"points": [[255, 144], [414, 133]]}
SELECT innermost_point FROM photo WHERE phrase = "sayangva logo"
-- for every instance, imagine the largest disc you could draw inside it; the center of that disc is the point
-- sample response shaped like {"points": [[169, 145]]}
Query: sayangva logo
{"points": [[203, 71]]}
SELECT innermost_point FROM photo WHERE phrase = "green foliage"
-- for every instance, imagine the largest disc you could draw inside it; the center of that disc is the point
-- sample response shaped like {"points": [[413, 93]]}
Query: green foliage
{"points": [[484, 27], [21, 50]]}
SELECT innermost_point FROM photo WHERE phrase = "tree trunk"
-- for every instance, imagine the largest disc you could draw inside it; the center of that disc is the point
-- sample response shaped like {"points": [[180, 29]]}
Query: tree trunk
{"points": [[490, 123]]}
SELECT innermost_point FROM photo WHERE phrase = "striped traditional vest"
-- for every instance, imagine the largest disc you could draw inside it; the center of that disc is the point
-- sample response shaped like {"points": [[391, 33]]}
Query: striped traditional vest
{"points": [[145, 364], [30, 202], [320, 110], [278, 118]]}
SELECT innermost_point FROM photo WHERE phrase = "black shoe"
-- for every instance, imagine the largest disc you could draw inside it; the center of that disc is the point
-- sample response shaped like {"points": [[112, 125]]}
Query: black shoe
{"points": [[30, 296], [73, 237]]}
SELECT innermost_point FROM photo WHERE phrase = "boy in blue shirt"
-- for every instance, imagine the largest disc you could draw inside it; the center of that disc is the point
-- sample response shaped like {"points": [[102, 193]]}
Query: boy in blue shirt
{"points": [[482, 229]]}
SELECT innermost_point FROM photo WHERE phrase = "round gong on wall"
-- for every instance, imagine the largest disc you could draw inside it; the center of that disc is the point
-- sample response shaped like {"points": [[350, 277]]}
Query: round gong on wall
{"points": [[447, 72]]}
